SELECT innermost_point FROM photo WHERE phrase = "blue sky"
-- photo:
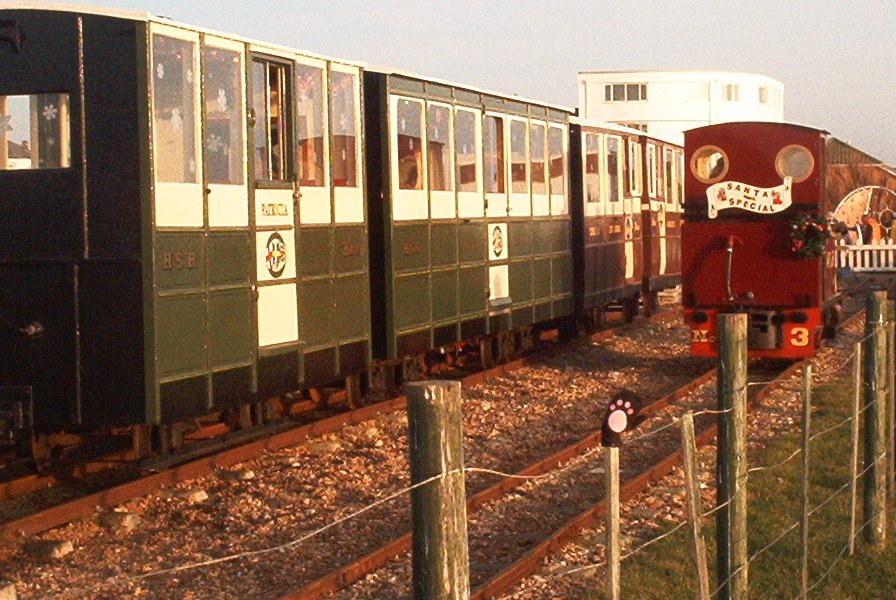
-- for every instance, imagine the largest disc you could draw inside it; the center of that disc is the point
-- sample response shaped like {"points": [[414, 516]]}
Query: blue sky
{"points": [[836, 58]]}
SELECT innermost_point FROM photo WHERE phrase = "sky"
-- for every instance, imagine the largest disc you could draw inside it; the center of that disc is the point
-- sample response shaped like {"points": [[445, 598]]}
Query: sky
{"points": [[836, 58]]}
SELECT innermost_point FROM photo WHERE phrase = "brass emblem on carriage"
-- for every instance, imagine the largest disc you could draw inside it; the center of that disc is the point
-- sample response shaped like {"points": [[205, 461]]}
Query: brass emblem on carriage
{"points": [[276, 255], [497, 241]]}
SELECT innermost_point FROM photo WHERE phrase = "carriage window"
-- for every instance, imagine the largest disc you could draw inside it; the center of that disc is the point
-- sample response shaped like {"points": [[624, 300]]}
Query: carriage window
{"points": [[466, 150], [669, 161], [613, 144], [679, 172], [345, 140], [270, 102], [537, 152], [34, 132], [438, 140], [558, 161], [634, 168], [519, 158], [493, 148], [592, 167], [174, 109], [310, 125], [651, 171], [709, 164], [223, 132], [409, 143]]}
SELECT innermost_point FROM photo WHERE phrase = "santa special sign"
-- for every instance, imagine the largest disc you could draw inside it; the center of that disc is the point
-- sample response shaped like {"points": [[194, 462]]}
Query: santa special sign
{"points": [[733, 194]]}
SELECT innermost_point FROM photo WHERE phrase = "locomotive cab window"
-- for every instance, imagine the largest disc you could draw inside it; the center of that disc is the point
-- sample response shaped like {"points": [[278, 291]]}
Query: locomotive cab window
{"points": [[271, 106], [35, 132], [795, 161], [709, 164]]}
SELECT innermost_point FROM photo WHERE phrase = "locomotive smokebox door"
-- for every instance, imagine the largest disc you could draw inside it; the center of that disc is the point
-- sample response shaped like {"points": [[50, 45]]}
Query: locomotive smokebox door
{"points": [[621, 416]]}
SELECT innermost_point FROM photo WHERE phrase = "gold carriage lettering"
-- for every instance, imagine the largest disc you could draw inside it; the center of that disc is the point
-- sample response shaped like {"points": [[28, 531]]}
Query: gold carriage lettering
{"points": [[178, 261], [274, 209], [349, 249], [411, 248], [733, 194]]}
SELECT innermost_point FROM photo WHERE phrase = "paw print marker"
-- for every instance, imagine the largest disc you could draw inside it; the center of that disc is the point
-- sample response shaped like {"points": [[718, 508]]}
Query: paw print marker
{"points": [[621, 416]]}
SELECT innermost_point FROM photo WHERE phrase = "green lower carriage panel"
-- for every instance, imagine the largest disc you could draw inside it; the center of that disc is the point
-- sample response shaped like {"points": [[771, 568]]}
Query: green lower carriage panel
{"points": [[521, 281], [230, 260], [317, 317], [519, 234], [411, 301], [351, 306], [230, 327], [541, 277], [444, 295], [180, 335], [410, 247], [349, 249], [443, 244]]}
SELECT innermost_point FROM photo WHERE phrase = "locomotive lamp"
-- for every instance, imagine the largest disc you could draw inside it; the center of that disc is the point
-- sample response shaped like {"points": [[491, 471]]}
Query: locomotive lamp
{"points": [[621, 416]]}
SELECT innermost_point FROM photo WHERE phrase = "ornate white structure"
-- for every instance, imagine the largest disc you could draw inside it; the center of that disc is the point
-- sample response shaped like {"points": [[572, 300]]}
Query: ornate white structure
{"points": [[666, 103]]}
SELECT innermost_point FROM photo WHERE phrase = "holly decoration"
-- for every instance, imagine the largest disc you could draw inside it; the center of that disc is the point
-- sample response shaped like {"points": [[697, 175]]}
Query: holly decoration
{"points": [[808, 234]]}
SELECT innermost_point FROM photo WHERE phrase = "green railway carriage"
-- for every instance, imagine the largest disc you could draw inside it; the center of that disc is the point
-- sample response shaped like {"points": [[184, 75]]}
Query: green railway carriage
{"points": [[182, 216], [469, 213]]}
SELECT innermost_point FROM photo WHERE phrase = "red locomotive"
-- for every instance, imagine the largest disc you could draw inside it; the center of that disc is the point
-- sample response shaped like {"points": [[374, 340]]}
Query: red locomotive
{"points": [[760, 199]]}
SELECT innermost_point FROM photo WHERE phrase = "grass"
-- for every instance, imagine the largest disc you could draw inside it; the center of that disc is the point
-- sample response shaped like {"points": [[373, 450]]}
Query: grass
{"points": [[665, 570]]}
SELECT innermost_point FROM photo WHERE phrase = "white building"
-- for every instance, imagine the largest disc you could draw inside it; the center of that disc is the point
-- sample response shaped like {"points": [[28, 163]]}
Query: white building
{"points": [[666, 103]]}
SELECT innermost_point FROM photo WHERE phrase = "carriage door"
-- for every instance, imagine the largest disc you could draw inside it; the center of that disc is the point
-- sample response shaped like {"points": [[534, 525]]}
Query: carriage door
{"points": [[274, 202]]}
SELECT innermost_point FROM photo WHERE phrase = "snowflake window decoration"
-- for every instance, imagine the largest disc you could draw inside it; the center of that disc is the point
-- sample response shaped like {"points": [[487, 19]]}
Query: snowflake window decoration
{"points": [[160, 71], [189, 75], [5, 121], [192, 166], [215, 143], [222, 100], [50, 112], [176, 120]]}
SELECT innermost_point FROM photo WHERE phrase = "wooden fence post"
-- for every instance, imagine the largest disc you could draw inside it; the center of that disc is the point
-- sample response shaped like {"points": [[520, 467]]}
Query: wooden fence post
{"points": [[695, 504], [854, 458], [731, 461], [804, 523], [611, 478], [875, 488], [439, 556]]}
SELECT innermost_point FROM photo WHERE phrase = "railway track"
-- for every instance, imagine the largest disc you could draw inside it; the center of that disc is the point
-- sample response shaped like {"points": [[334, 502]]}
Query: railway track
{"points": [[88, 504], [512, 536]]}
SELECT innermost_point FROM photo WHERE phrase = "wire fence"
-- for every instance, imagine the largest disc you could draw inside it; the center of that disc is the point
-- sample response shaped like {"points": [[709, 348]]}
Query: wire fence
{"points": [[867, 387]]}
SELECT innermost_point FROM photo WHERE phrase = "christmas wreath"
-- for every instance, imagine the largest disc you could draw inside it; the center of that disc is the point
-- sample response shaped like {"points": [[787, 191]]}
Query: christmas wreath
{"points": [[808, 234]]}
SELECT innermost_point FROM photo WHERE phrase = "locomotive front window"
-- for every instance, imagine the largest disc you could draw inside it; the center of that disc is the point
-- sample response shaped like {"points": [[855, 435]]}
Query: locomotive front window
{"points": [[592, 168], [539, 165], [519, 158], [35, 132], [310, 125], [270, 102], [493, 143], [795, 161], [345, 140], [174, 109], [223, 131], [409, 143], [709, 164], [466, 151], [558, 161], [438, 140]]}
